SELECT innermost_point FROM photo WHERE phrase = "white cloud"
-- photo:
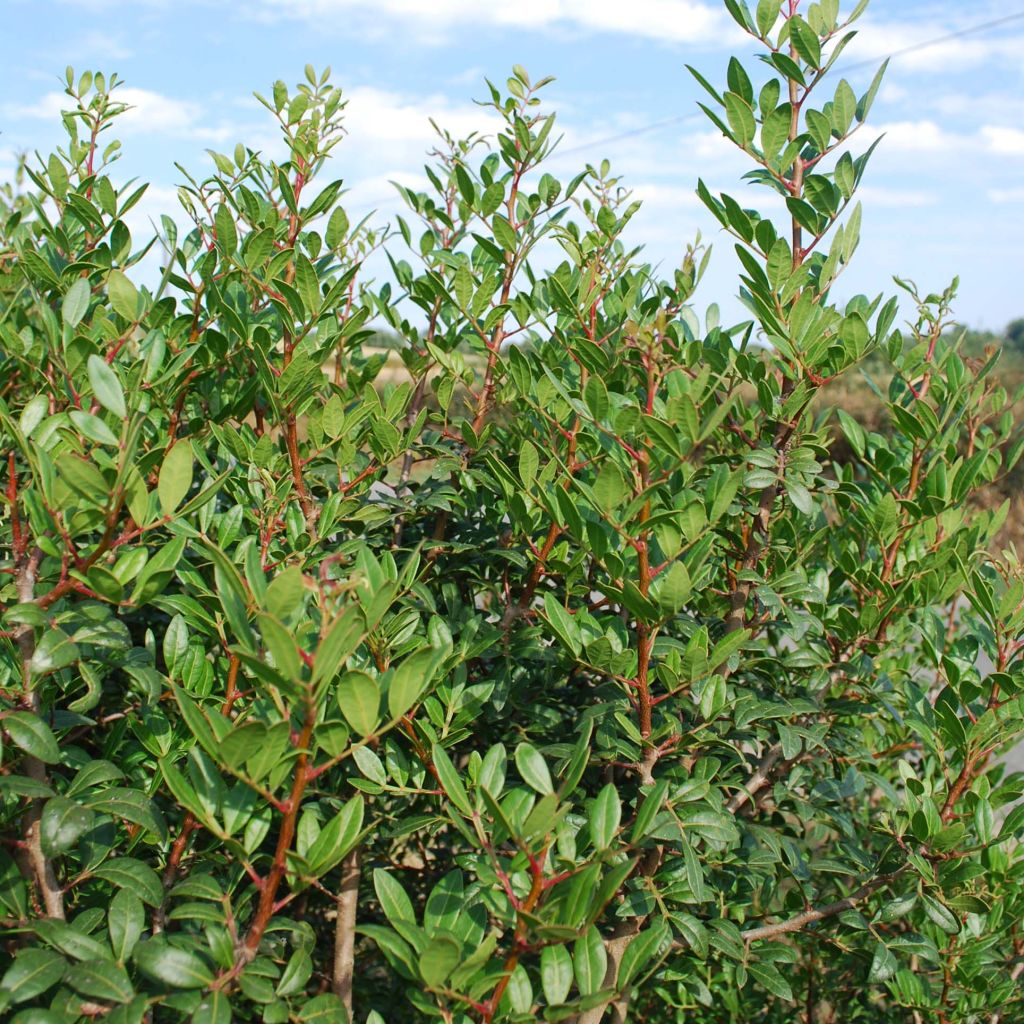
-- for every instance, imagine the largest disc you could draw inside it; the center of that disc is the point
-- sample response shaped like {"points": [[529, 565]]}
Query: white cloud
{"points": [[154, 112], [976, 106], [922, 136], [1003, 140], [876, 40], [389, 118], [1007, 195], [148, 112], [103, 46], [660, 195], [668, 20], [473, 76], [898, 198], [377, 193], [893, 93], [926, 136]]}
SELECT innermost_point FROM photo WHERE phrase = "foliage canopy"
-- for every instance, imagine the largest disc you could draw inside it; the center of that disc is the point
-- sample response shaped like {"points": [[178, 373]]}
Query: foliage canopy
{"points": [[546, 668]]}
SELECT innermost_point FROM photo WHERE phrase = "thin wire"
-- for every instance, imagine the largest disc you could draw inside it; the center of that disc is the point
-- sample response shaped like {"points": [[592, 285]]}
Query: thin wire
{"points": [[608, 140], [970, 30], [872, 62]]}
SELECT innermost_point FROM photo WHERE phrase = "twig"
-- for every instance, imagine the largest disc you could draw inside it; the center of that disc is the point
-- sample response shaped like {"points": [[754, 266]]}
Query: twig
{"points": [[814, 914], [758, 780], [1015, 973], [345, 929], [41, 865]]}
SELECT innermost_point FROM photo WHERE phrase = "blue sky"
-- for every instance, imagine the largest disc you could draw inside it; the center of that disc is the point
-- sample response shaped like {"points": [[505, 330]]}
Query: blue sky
{"points": [[944, 193]]}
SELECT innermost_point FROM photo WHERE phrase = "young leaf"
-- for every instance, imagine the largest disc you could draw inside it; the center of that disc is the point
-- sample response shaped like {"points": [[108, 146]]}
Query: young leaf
{"points": [[605, 815], [359, 700], [76, 302], [450, 780], [124, 296], [106, 387], [156, 958], [533, 769], [337, 838], [175, 478], [411, 679], [556, 974]]}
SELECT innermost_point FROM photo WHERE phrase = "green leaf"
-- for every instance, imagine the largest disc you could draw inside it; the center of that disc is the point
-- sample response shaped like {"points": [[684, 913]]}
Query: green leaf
{"points": [[533, 768], [175, 478], [654, 798], [227, 236], [595, 394], [883, 965], [555, 974], [393, 900], [285, 593], [76, 302], [800, 496], [767, 15], [359, 700], [504, 234], [341, 640], [520, 991], [605, 817], [439, 958], [805, 41], [54, 651], [450, 780], [232, 594], [31, 973], [529, 460], [741, 118], [590, 961], [21, 785], [135, 876], [124, 297], [158, 960], [445, 903], [214, 1009], [337, 228], [37, 1015], [770, 976], [646, 947], [296, 974], [34, 412], [563, 624], [411, 680], [611, 488], [868, 99], [63, 821], [107, 982], [33, 735], [693, 932], [93, 428], [126, 921], [133, 806], [106, 387], [324, 1009], [336, 838], [941, 915], [898, 907], [673, 588]]}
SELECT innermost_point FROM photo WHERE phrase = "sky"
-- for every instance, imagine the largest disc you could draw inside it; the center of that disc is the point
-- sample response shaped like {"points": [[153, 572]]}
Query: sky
{"points": [[943, 195]]}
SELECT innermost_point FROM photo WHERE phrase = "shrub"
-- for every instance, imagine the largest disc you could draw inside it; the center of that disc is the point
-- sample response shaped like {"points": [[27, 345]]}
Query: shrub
{"points": [[552, 671]]}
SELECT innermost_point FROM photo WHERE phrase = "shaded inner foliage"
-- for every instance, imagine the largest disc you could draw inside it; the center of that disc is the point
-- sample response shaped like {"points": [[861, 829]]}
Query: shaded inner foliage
{"points": [[547, 666]]}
